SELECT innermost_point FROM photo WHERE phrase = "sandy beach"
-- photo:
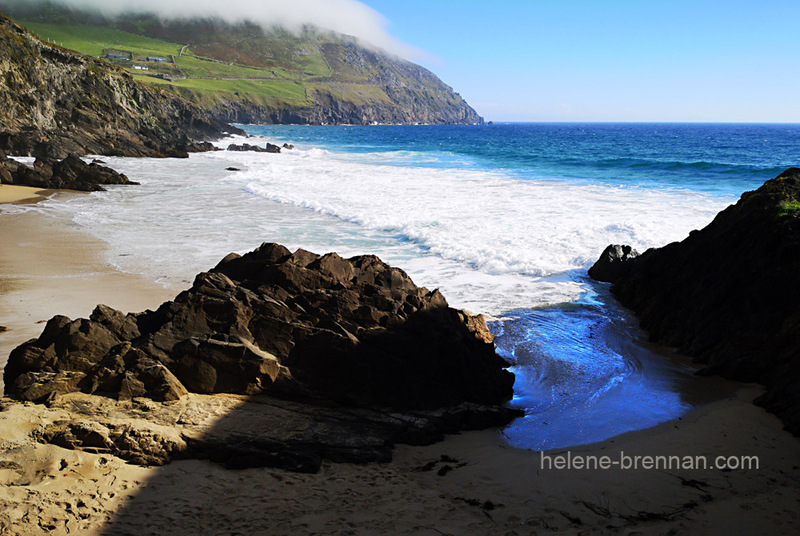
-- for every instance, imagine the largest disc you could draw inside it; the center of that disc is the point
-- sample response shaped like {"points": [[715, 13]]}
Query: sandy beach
{"points": [[48, 267], [20, 194], [472, 483]]}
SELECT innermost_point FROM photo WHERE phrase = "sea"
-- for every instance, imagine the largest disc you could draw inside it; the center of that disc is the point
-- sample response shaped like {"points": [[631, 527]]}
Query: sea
{"points": [[505, 219]]}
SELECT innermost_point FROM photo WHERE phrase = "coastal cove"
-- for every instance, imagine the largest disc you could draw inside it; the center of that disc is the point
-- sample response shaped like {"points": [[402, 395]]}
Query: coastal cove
{"points": [[361, 267], [492, 224], [135, 247]]}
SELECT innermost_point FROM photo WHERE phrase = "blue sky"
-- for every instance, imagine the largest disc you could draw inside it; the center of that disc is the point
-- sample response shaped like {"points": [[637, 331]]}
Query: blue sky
{"points": [[616, 60]]}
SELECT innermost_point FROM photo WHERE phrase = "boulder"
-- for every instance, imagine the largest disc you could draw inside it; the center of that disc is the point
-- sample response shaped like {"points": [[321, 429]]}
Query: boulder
{"points": [[315, 327], [5, 174], [270, 148], [615, 262], [331, 358]]}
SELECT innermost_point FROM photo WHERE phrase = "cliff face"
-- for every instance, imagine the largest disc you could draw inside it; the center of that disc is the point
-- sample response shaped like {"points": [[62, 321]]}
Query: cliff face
{"points": [[729, 294], [54, 102], [364, 87], [245, 73]]}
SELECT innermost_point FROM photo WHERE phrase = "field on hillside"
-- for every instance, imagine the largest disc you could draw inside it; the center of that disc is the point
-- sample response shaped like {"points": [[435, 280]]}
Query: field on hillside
{"points": [[279, 81], [245, 73]]}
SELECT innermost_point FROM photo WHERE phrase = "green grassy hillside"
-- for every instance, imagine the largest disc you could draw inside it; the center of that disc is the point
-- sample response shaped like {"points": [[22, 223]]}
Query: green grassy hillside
{"points": [[242, 73], [190, 75]]}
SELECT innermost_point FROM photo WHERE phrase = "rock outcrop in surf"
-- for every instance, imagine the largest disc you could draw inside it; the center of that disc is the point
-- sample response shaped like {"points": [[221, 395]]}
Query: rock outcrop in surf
{"points": [[70, 173], [727, 295]]}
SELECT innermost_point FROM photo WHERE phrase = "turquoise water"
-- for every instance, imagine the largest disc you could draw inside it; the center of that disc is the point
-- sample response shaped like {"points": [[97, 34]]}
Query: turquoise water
{"points": [[504, 219]]}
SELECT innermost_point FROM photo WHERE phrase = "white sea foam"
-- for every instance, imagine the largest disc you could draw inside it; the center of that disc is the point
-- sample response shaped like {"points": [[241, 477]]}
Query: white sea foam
{"points": [[492, 242]]}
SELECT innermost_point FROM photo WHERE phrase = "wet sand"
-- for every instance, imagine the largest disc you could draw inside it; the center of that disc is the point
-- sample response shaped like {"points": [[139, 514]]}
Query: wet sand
{"points": [[48, 267]]}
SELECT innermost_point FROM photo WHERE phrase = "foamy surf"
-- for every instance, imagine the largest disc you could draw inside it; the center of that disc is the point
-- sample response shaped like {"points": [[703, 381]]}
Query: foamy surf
{"points": [[512, 245]]}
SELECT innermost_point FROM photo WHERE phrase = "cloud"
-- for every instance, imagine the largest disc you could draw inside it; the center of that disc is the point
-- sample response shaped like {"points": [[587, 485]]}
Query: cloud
{"points": [[348, 17]]}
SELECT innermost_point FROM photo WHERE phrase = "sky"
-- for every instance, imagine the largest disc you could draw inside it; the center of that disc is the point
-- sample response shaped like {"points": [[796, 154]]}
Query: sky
{"points": [[566, 60], [610, 60]]}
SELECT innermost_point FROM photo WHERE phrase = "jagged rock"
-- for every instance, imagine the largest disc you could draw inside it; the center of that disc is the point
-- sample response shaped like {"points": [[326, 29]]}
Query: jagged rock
{"points": [[270, 148], [728, 294], [8, 168], [128, 373], [341, 359], [300, 325], [615, 262], [70, 173], [201, 147], [226, 364], [41, 386]]}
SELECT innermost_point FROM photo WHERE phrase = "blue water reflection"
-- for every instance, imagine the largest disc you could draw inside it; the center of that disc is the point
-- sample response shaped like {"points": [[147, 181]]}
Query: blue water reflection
{"points": [[584, 375]]}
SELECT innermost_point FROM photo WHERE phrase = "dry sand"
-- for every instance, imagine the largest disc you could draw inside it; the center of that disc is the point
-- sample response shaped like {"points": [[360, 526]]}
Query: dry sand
{"points": [[490, 488]]}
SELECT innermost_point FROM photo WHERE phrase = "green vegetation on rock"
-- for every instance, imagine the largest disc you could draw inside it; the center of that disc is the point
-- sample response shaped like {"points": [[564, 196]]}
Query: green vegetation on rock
{"points": [[789, 207]]}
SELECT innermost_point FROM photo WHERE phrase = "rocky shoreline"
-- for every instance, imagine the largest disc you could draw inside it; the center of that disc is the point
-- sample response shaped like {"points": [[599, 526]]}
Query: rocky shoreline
{"points": [[341, 358], [70, 173], [469, 483], [727, 294]]}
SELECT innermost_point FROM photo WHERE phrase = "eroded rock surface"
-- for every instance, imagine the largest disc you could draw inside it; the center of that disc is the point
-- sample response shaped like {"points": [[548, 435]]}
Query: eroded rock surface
{"points": [[347, 341]]}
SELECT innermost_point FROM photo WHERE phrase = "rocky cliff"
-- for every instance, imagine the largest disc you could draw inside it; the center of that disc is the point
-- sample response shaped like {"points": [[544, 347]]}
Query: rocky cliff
{"points": [[244, 73], [729, 294], [54, 102], [364, 87]]}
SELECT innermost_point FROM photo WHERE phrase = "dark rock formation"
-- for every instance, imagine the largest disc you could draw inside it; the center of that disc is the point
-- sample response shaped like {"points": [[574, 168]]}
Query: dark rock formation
{"points": [[321, 330], [352, 331], [55, 102], [270, 148], [728, 294], [288, 146], [614, 263], [70, 173]]}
